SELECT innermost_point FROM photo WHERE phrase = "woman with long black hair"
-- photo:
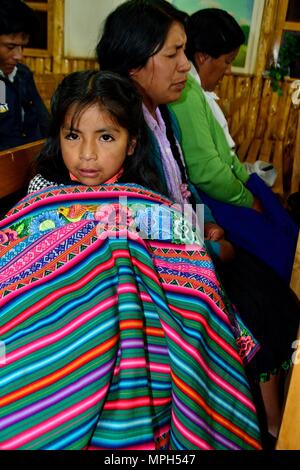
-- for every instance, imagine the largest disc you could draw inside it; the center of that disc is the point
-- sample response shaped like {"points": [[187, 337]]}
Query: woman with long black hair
{"points": [[146, 41]]}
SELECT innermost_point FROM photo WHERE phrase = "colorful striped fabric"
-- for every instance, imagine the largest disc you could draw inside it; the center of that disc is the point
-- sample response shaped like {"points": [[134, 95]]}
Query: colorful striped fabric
{"points": [[110, 340]]}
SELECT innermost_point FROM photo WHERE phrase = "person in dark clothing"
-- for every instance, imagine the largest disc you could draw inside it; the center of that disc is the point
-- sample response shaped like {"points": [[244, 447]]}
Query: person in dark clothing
{"points": [[23, 115]]}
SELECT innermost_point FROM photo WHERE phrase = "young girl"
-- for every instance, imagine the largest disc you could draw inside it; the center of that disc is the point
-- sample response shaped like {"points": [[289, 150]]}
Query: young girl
{"points": [[112, 342], [97, 136]]}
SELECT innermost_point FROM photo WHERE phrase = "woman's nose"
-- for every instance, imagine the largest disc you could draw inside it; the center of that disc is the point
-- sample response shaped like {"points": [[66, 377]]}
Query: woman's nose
{"points": [[184, 64]]}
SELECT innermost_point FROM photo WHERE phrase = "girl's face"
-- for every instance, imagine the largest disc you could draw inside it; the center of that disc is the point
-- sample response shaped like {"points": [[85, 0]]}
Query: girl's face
{"points": [[212, 70], [163, 78], [96, 148]]}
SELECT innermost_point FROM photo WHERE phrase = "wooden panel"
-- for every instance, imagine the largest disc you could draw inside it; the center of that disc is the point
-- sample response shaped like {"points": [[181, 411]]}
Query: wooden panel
{"points": [[266, 151], [15, 167], [243, 149], [253, 151], [277, 162], [46, 85]]}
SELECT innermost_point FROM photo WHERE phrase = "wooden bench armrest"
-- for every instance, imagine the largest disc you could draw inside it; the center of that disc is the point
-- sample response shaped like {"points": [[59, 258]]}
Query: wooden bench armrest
{"points": [[15, 167]]}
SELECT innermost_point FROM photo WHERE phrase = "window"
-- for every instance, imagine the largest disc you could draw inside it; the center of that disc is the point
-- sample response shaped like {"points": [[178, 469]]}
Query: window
{"points": [[288, 22], [41, 41]]}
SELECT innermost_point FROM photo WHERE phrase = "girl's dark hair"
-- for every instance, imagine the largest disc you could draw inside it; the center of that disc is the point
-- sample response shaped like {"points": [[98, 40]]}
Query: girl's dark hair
{"points": [[213, 32], [134, 32], [17, 17], [116, 95]]}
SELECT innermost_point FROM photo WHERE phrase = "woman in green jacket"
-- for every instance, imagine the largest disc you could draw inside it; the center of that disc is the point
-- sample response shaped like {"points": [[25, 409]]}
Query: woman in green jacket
{"points": [[244, 206]]}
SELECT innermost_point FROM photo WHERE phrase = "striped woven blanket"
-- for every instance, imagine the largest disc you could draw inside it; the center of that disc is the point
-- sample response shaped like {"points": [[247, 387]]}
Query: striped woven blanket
{"points": [[113, 329]]}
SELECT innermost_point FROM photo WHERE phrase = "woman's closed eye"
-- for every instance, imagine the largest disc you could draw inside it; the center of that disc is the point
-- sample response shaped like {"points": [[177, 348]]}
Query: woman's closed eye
{"points": [[171, 56]]}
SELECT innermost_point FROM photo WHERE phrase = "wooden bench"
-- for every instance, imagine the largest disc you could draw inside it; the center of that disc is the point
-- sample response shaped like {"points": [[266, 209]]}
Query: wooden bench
{"points": [[264, 125], [15, 171]]}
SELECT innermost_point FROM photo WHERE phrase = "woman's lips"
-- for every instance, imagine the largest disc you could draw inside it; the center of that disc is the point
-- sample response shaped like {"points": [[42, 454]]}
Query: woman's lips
{"points": [[180, 85]]}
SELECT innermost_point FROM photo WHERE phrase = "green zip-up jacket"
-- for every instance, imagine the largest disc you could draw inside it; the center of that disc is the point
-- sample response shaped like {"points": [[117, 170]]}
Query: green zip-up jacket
{"points": [[212, 165]]}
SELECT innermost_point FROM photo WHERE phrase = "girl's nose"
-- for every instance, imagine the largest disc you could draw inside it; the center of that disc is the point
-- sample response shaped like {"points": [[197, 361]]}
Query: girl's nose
{"points": [[88, 151]]}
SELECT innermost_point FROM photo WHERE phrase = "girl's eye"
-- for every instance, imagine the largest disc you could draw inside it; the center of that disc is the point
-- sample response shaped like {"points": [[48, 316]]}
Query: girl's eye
{"points": [[107, 138], [171, 56], [71, 136]]}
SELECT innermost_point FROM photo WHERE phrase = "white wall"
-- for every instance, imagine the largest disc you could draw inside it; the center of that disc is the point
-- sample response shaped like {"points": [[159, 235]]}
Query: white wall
{"points": [[83, 21]]}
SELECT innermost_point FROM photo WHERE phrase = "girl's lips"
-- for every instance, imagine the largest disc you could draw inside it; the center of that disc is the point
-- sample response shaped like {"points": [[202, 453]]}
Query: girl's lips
{"points": [[90, 173]]}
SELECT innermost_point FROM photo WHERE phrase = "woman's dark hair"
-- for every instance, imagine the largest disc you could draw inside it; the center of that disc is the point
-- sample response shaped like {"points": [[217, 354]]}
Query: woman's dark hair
{"points": [[213, 32], [134, 32], [116, 95], [16, 17]]}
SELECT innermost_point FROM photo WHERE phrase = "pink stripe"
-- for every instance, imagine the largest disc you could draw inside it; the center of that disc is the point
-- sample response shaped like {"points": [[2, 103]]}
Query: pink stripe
{"points": [[127, 288], [200, 443], [146, 297], [55, 337], [44, 427], [161, 368], [212, 375]]}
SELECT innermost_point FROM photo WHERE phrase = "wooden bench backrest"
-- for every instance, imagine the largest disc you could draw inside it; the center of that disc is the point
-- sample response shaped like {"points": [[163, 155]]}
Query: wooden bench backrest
{"points": [[263, 124], [15, 167]]}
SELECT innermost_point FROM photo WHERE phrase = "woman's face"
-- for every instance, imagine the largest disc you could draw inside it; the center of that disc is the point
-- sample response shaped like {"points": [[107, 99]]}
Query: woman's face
{"points": [[212, 70], [163, 78]]}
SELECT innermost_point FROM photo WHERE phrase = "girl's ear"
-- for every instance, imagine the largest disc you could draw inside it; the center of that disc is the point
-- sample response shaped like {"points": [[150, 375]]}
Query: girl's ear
{"points": [[131, 146], [132, 73]]}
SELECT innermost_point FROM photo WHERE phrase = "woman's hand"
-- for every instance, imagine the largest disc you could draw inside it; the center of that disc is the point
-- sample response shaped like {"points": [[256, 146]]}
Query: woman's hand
{"points": [[213, 231], [257, 205]]}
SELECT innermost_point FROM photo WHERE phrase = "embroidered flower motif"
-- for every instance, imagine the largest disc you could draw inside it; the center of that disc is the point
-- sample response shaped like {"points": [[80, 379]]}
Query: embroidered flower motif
{"points": [[245, 345], [44, 222], [8, 235]]}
